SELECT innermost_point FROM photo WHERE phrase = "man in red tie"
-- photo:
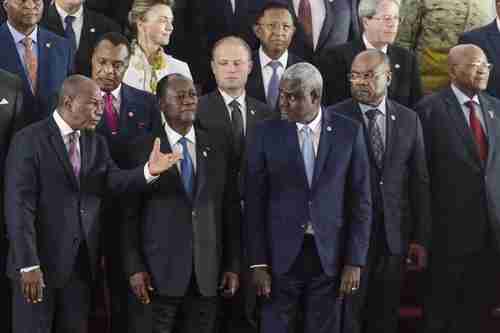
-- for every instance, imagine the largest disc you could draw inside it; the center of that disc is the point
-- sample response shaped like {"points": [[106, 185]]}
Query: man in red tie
{"points": [[461, 129]]}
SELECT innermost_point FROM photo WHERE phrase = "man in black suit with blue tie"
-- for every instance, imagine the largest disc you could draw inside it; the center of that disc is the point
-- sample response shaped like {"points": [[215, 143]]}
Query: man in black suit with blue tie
{"points": [[58, 171]]}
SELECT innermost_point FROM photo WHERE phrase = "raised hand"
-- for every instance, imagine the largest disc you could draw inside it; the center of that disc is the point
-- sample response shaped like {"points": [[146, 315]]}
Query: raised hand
{"points": [[160, 162]]}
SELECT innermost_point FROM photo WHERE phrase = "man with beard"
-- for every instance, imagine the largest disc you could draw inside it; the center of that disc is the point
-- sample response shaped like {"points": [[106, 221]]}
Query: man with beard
{"points": [[400, 194], [181, 240]]}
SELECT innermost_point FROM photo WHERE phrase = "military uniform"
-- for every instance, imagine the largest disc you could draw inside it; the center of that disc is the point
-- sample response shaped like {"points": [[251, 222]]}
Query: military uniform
{"points": [[432, 27]]}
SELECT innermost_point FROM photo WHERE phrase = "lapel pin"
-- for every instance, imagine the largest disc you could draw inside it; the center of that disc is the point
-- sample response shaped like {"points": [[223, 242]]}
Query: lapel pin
{"points": [[130, 114], [205, 153], [92, 29], [492, 115], [4, 101], [252, 112], [47, 45], [393, 117], [397, 66], [328, 128]]}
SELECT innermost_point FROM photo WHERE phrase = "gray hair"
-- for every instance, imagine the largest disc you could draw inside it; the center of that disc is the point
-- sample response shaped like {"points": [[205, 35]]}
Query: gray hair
{"points": [[305, 76], [368, 8]]}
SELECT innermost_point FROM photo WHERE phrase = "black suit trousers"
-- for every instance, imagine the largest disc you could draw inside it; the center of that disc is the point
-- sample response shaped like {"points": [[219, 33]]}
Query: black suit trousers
{"points": [[373, 308], [63, 310]]}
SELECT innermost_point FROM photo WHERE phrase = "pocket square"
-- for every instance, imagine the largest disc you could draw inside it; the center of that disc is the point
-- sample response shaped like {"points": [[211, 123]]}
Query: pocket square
{"points": [[4, 101]]}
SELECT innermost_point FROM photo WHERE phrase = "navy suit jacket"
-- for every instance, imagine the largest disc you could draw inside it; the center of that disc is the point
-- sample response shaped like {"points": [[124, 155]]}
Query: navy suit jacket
{"points": [[279, 201], [403, 180], [55, 63], [488, 39], [49, 211]]}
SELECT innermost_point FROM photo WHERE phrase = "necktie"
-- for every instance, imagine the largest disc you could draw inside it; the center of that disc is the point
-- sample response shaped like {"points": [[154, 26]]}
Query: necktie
{"points": [[375, 136], [273, 87], [308, 152], [110, 114], [187, 172], [30, 62], [74, 153], [477, 131], [237, 124], [69, 33], [305, 18]]}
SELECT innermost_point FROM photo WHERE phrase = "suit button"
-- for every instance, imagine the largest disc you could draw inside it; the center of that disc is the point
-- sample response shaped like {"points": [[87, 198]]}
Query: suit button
{"points": [[82, 211], [193, 213], [381, 183]]}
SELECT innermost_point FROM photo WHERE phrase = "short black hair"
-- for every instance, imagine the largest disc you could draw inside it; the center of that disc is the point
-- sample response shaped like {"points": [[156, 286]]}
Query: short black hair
{"points": [[116, 39], [275, 4], [162, 85]]}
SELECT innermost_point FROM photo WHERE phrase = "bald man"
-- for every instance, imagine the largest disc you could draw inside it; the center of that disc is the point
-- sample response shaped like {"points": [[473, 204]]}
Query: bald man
{"points": [[461, 127], [56, 175]]}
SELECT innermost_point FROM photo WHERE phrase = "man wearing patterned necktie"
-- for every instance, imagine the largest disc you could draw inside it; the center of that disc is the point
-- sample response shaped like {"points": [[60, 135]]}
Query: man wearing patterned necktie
{"points": [[41, 58], [461, 130]]}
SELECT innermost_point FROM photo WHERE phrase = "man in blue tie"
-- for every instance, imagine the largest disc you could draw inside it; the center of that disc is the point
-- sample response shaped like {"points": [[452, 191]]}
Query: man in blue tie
{"points": [[308, 207], [181, 240]]}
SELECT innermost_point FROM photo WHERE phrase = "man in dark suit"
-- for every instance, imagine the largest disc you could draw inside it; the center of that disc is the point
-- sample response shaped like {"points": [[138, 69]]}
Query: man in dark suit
{"points": [[41, 58], [274, 27], [400, 193], [488, 39], [11, 101], [461, 127], [230, 108], [118, 12], [83, 27], [56, 175], [306, 248], [380, 19], [321, 25], [128, 113], [3, 14], [181, 239]]}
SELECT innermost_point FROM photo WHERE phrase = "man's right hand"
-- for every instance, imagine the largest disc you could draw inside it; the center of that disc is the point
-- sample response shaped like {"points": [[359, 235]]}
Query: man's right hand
{"points": [[140, 283], [32, 285], [262, 281]]}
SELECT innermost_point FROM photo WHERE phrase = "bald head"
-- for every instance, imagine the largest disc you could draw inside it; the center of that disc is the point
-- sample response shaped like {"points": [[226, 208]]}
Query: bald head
{"points": [[80, 102], [468, 68], [370, 77]]}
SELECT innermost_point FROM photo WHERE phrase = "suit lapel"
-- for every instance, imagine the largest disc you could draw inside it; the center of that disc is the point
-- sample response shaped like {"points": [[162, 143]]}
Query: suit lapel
{"points": [[292, 142], [390, 130], [455, 112], [219, 104], [327, 26], [84, 153], [395, 67], [54, 22], [202, 152], [61, 152], [258, 82], [493, 36], [491, 128], [44, 45], [325, 144], [11, 60]]}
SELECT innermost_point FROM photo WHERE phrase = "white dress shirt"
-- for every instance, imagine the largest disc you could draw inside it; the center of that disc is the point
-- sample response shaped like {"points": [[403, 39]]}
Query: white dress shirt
{"points": [[267, 71], [77, 23], [369, 45], [462, 99], [117, 98], [233, 5], [381, 119], [243, 106], [174, 137], [318, 12]]}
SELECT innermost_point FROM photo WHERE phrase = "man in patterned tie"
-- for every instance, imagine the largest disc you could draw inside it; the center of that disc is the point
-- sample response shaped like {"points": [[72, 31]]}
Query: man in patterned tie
{"points": [[461, 130]]}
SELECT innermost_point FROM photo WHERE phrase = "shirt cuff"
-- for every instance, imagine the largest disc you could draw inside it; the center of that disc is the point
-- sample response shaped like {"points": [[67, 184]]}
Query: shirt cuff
{"points": [[29, 269], [260, 265], [149, 177]]}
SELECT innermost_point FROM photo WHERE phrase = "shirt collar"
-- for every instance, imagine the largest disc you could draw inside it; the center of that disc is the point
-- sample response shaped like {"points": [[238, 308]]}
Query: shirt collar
{"points": [[115, 93], [370, 46], [19, 36], [463, 98], [228, 99], [63, 126], [314, 125], [265, 60], [174, 137], [62, 13], [498, 23], [382, 107]]}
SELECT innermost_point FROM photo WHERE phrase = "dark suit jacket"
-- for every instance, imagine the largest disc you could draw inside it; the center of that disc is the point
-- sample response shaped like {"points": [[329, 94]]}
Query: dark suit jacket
{"points": [[404, 180], [406, 85], [167, 234], [11, 103], [49, 211], [279, 201], [488, 39], [118, 12], [255, 84], [464, 191], [341, 25], [55, 63], [94, 26]]}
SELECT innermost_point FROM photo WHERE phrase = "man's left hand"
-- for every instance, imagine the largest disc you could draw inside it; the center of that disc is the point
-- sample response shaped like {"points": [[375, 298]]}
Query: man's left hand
{"points": [[229, 284], [160, 162], [350, 280]]}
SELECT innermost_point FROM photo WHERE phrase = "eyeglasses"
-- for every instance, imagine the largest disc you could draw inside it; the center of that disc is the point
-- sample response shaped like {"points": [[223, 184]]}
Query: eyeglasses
{"points": [[386, 19], [277, 26], [364, 76]]}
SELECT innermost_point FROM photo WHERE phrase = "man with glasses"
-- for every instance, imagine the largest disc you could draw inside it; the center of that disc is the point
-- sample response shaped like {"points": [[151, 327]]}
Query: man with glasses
{"points": [[274, 27], [488, 39], [41, 58], [461, 130], [400, 194], [380, 20]]}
